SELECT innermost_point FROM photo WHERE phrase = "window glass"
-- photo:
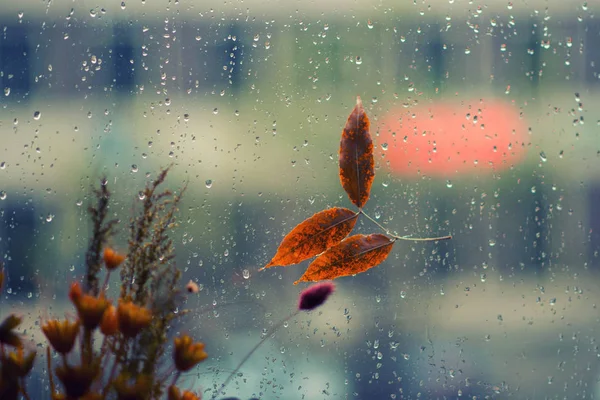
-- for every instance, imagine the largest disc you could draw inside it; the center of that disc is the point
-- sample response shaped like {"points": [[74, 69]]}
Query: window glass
{"points": [[485, 123]]}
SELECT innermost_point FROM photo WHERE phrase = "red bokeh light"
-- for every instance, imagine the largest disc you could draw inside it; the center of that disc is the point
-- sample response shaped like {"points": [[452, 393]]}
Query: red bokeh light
{"points": [[446, 139]]}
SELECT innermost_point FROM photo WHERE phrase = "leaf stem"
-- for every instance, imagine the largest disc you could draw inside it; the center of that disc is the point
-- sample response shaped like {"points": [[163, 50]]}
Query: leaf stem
{"points": [[429, 239]]}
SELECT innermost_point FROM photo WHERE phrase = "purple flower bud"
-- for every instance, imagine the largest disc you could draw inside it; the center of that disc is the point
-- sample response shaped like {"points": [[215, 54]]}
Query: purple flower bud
{"points": [[314, 296]]}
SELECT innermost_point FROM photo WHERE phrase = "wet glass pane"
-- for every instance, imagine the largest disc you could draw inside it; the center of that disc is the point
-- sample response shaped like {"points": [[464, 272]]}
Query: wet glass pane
{"points": [[485, 127]]}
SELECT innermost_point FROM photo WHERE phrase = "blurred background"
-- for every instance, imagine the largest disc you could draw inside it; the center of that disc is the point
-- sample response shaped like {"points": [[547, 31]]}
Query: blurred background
{"points": [[486, 124]]}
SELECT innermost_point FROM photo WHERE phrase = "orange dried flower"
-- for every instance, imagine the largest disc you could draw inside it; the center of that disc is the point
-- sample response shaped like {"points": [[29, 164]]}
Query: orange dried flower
{"points": [[110, 324], [7, 336], [112, 259], [138, 390], [61, 335], [187, 395], [16, 364], [90, 309], [187, 354], [176, 394], [77, 380], [75, 292], [132, 318]]}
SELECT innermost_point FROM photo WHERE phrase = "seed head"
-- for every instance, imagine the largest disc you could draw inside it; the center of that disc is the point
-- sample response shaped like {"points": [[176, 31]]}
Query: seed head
{"points": [[315, 296]]}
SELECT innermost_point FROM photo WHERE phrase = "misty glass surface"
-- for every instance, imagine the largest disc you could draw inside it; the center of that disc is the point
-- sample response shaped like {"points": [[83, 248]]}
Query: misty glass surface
{"points": [[486, 123]]}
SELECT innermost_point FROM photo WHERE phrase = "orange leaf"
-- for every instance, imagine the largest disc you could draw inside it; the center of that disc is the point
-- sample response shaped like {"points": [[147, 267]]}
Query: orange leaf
{"points": [[314, 236], [354, 255], [357, 167]]}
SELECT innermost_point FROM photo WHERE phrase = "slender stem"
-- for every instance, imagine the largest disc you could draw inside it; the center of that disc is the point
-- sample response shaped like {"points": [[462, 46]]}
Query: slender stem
{"points": [[23, 390], [112, 372], [50, 372], [105, 284], [87, 346], [175, 378], [103, 351], [267, 336], [429, 239], [375, 222]]}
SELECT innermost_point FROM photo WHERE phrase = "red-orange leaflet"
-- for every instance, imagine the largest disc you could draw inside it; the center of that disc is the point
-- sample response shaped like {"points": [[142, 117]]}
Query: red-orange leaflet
{"points": [[357, 166], [353, 255], [314, 235]]}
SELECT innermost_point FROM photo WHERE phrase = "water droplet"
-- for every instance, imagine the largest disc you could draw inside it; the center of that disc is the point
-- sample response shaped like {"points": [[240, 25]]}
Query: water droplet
{"points": [[448, 183], [543, 157], [402, 294], [37, 115], [186, 117], [134, 168], [533, 189], [78, 203], [208, 183], [358, 60], [3, 165], [492, 242], [246, 274], [141, 195], [123, 6], [2, 195], [49, 218], [215, 111], [6, 91]]}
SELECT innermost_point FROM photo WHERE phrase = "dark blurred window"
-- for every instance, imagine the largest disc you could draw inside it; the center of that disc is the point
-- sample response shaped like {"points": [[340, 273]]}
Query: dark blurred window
{"points": [[15, 61], [123, 60]]}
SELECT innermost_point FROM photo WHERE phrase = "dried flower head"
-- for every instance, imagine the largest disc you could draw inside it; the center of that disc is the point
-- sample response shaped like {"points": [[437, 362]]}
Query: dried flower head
{"points": [[132, 318], [75, 292], [176, 394], [138, 389], [315, 295], [7, 336], [112, 259], [187, 354], [110, 323], [77, 380], [61, 335], [89, 308], [16, 364]]}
